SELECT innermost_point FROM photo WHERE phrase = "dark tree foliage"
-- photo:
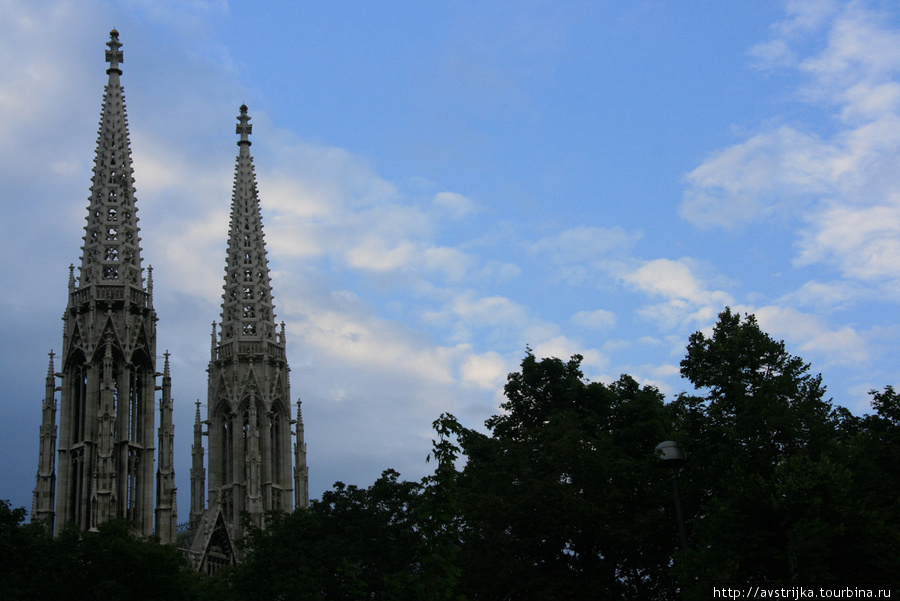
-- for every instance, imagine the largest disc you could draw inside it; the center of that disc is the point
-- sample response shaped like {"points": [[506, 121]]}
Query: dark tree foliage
{"points": [[436, 575], [759, 396], [23, 547], [565, 499], [354, 543], [395, 540], [107, 565], [774, 488]]}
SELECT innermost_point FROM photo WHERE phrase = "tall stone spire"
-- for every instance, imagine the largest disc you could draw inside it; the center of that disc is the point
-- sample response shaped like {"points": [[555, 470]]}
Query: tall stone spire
{"points": [[108, 360], [166, 503], [45, 487], [198, 473], [247, 309], [111, 253], [301, 471], [249, 389]]}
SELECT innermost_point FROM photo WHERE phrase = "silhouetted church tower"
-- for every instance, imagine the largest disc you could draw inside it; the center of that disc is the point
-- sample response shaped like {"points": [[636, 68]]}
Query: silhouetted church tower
{"points": [[253, 466], [106, 439]]}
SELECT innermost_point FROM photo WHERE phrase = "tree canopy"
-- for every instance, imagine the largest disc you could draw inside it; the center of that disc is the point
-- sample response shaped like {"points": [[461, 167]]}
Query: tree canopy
{"points": [[774, 490], [108, 565]]}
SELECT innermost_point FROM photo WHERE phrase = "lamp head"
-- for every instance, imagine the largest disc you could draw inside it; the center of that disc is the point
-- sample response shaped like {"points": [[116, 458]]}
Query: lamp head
{"points": [[670, 454]]}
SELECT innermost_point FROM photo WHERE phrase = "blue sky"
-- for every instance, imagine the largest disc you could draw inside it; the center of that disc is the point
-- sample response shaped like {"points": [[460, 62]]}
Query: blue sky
{"points": [[446, 183]]}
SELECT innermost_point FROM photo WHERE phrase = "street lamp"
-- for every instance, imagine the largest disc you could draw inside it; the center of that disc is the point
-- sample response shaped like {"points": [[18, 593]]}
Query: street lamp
{"points": [[671, 456]]}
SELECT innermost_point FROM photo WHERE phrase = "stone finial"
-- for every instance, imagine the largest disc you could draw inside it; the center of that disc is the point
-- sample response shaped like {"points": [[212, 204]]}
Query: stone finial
{"points": [[244, 128], [114, 56]]}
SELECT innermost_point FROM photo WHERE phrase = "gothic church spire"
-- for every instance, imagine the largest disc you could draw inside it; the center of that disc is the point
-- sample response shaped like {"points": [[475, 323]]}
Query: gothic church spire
{"points": [[249, 421], [111, 253], [247, 308], [108, 363]]}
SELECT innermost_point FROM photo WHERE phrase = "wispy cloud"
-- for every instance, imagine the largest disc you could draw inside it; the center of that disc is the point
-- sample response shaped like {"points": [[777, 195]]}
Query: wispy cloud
{"points": [[839, 183], [597, 319], [813, 335]]}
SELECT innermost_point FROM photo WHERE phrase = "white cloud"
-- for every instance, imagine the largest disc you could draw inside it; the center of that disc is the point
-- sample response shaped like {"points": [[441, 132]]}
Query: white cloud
{"points": [[374, 254], [859, 48], [824, 295], [597, 319], [189, 256], [585, 243], [348, 329], [864, 243], [43, 87], [562, 347], [771, 171], [586, 254], [665, 277], [489, 310], [451, 262], [487, 370], [688, 300], [813, 335], [498, 271], [332, 179], [454, 203]]}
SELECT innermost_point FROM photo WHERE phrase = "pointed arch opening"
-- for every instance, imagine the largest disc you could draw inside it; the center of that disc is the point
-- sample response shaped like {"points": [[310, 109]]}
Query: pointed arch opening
{"points": [[79, 404], [132, 488], [279, 463], [226, 446]]}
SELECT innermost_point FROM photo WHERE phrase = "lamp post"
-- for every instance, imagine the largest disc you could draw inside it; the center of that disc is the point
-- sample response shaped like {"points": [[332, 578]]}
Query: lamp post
{"points": [[672, 457]]}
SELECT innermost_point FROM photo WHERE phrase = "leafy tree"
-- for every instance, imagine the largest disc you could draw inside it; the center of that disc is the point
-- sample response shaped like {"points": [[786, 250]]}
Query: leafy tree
{"points": [[769, 491], [436, 574], [393, 540], [23, 548], [110, 564], [759, 396], [354, 543], [114, 563], [871, 453], [563, 500]]}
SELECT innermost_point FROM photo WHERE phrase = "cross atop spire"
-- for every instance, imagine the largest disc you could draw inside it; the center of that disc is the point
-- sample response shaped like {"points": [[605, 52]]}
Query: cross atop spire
{"points": [[244, 128], [114, 55]]}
